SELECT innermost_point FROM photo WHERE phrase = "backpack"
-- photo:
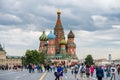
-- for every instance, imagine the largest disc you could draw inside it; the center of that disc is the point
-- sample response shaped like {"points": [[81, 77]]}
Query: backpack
{"points": [[82, 69], [56, 73], [76, 70]]}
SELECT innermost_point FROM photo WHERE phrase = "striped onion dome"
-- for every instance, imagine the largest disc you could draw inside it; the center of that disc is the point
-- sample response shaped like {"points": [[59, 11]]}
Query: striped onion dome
{"points": [[51, 36], [43, 37]]}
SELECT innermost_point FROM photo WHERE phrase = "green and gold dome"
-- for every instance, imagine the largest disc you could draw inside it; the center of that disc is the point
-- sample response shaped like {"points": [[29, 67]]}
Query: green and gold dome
{"points": [[63, 42], [43, 37]]}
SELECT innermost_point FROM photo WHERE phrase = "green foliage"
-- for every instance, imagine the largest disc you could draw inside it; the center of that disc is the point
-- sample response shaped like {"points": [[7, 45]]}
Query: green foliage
{"points": [[23, 60], [33, 56], [55, 63], [89, 60]]}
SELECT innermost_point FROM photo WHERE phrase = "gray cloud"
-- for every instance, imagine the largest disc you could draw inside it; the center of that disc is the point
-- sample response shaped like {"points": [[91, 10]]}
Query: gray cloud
{"points": [[95, 21]]}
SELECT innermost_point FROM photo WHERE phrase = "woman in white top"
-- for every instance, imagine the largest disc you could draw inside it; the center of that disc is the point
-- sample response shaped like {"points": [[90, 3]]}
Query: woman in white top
{"points": [[113, 71]]}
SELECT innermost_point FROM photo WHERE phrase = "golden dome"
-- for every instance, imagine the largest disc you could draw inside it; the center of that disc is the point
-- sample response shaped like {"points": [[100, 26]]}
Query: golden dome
{"points": [[59, 11]]}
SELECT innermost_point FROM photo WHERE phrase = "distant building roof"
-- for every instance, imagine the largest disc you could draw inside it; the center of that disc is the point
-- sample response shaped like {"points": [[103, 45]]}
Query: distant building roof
{"points": [[100, 60], [13, 57]]}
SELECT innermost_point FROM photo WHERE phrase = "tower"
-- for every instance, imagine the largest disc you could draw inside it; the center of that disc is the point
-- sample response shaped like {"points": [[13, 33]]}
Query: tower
{"points": [[51, 44], [2, 56], [43, 41], [59, 32], [71, 46], [109, 57]]}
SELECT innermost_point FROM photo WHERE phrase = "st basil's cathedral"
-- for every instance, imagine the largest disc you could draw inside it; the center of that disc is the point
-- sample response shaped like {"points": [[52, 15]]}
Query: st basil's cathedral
{"points": [[55, 46]]}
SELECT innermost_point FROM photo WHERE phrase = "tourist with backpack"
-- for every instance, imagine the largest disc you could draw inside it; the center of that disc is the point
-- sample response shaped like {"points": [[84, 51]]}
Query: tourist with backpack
{"points": [[88, 72], [76, 71], [82, 71]]}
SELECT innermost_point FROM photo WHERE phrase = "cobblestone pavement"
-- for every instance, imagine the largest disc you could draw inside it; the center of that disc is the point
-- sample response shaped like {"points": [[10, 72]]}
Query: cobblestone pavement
{"points": [[69, 76], [24, 75]]}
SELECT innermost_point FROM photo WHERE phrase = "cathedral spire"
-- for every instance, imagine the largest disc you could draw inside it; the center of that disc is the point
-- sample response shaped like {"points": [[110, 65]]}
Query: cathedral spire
{"points": [[58, 23]]}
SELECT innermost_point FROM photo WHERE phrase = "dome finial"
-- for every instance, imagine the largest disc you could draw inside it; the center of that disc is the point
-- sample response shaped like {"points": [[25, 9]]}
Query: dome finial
{"points": [[58, 11]]}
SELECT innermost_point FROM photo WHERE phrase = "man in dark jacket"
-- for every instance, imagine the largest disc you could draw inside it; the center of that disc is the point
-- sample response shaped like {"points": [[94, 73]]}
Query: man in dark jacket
{"points": [[30, 67], [99, 73]]}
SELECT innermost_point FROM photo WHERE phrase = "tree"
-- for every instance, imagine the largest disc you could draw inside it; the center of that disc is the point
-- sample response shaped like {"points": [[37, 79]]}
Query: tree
{"points": [[33, 56], [23, 60], [89, 60]]}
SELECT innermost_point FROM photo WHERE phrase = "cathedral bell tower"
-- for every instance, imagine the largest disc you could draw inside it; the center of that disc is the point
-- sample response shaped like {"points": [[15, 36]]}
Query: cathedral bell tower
{"points": [[51, 43], [43, 39], [59, 32], [71, 46]]}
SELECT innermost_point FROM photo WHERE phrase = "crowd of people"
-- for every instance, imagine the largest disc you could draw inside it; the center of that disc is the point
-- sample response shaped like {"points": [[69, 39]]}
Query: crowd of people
{"points": [[57, 69], [13, 67], [107, 71], [79, 71], [4, 67]]}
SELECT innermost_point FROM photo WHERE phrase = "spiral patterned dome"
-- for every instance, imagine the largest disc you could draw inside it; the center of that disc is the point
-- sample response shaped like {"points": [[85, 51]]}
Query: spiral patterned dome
{"points": [[71, 35], [63, 42], [51, 36], [43, 37]]}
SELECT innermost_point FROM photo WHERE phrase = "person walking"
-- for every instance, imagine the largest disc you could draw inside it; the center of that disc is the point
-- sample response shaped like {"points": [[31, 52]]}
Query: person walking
{"points": [[33, 68], [48, 67], [76, 72], [56, 74], [60, 71], [91, 70], [108, 72], [82, 71], [99, 73], [118, 69], [30, 68], [38, 68], [87, 72], [113, 71], [72, 70]]}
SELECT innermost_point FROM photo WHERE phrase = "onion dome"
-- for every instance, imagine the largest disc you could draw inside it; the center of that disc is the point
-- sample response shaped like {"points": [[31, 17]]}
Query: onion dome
{"points": [[51, 36], [63, 42], [71, 44], [71, 35], [43, 37]]}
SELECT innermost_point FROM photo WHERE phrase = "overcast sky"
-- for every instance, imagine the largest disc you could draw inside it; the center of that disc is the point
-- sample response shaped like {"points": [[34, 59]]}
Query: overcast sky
{"points": [[95, 23]]}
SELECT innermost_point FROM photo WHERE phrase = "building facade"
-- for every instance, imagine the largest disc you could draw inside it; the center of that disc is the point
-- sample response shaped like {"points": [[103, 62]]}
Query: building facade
{"points": [[8, 60], [55, 44], [2, 56]]}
